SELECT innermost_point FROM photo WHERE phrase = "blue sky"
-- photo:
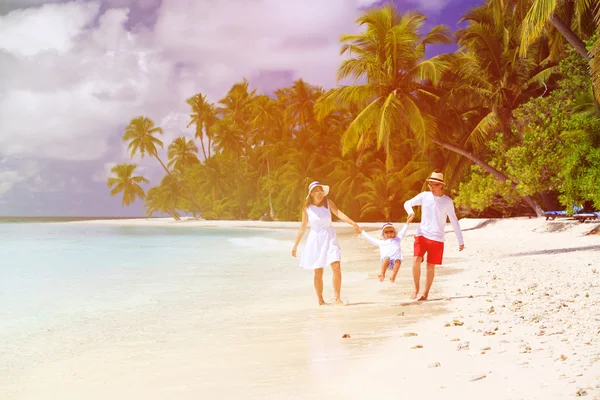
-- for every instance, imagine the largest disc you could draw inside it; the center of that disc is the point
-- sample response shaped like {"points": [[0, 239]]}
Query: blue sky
{"points": [[72, 75]]}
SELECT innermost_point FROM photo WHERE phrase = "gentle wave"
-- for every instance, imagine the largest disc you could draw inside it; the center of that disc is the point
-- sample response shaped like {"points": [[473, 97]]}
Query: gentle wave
{"points": [[262, 243]]}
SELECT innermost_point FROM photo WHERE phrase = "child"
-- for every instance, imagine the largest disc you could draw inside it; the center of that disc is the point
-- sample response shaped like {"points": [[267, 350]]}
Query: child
{"points": [[389, 248]]}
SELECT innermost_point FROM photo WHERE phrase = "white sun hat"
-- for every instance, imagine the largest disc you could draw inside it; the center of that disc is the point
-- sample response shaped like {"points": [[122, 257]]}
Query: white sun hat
{"points": [[386, 225], [314, 185]]}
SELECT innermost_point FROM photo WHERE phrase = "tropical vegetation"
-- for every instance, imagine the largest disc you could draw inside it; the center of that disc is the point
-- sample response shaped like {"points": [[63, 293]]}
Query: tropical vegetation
{"points": [[511, 118]]}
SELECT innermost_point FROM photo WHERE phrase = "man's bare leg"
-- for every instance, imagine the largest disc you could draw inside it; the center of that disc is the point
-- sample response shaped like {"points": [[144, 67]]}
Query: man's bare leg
{"points": [[384, 265], [416, 275], [429, 281], [396, 269], [337, 282], [319, 285]]}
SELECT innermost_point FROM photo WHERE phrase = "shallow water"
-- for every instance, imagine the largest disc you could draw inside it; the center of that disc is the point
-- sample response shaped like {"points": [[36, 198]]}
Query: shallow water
{"points": [[178, 311]]}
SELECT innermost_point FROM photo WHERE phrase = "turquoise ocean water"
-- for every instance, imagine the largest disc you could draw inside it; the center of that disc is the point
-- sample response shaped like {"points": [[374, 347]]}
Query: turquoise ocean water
{"points": [[227, 308], [56, 272]]}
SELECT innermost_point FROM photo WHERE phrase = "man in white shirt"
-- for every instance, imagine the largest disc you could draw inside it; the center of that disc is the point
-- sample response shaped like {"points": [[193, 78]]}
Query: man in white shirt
{"points": [[429, 238]]}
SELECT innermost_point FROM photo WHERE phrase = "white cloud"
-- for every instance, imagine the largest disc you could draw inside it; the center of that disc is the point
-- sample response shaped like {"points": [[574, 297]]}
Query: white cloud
{"points": [[103, 174], [228, 40], [8, 179], [65, 106], [50, 27]]}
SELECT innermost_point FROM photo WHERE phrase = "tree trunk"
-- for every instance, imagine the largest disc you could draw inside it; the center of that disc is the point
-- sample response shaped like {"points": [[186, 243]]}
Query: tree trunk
{"points": [[271, 211], [191, 197], [491, 170], [201, 137], [572, 38]]}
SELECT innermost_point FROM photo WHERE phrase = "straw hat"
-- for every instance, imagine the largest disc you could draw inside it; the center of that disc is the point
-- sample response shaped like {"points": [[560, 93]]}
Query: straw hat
{"points": [[314, 185], [436, 177]]}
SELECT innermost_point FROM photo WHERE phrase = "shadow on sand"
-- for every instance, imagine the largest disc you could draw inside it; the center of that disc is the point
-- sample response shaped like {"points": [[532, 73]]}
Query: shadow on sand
{"points": [[480, 225], [417, 302], [554, 251]]}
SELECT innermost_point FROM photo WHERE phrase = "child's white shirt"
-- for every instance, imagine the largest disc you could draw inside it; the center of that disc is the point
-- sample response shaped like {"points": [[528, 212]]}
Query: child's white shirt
{"points": [[388, 248]]}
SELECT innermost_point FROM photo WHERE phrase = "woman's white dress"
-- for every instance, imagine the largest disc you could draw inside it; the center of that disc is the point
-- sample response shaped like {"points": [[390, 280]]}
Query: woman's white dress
{"points": [[322, 247]]}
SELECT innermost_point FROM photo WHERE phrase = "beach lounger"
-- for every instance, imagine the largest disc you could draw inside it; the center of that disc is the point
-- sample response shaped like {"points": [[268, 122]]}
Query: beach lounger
{"points": [[582, 217], [553, 214]]}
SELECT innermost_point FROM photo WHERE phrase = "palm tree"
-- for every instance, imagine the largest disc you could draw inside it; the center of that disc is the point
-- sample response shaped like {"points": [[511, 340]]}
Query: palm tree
{"points": [[211, 178], [390, 55], [491, 76], [182, 154], [302, 99], [124, 182], [203, 116], [141, 133], [141, 136], [563, 15], [486, 82], [349, 176], [163, 198], [595, 63], [575, 20], [379, 194], [267, 126]]}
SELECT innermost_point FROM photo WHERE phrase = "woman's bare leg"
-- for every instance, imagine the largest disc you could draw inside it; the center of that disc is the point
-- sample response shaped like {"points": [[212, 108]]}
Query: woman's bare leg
{"points": [[319, 285], [337, 282]]}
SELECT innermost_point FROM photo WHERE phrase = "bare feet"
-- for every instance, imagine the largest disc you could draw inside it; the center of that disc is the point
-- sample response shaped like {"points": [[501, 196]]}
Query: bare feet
{"points": [[423, 298], [381, 277], [392, 279], [415, 294], [339, 302], [322, 302]]}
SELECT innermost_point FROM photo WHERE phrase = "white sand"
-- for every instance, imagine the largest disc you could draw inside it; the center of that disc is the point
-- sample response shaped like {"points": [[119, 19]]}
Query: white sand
{"points": [[530, 330]]}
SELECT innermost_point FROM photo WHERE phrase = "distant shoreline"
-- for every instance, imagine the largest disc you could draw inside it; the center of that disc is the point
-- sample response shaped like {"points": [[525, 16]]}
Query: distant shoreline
{"points": [[34, 219], [465, 223]]}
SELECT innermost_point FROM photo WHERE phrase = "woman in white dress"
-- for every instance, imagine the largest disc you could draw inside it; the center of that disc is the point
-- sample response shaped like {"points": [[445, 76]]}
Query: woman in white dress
{"points": [[321, 246]]}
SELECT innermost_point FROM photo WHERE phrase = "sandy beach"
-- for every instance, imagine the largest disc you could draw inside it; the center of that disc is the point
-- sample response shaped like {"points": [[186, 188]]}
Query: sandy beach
{"points": [[514, 316]]}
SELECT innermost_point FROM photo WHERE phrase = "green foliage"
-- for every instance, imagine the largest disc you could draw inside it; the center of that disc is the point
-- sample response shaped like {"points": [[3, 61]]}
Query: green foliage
{"points": [[557, 152], [482, 191], [580, 172]]}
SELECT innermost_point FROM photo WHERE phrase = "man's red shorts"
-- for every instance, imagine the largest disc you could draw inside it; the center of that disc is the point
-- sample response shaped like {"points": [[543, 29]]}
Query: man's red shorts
{"points": [[434, 250]]}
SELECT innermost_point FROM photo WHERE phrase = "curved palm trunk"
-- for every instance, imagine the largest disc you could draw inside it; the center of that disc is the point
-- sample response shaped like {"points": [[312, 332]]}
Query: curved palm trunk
{"points": [[202, 145], [491, 170], [572, 38], [191, 197]]}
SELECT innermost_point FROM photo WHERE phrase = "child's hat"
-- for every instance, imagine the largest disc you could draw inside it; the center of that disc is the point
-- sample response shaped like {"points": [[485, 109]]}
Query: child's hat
{"points": [[386, 225], [314, 185]]}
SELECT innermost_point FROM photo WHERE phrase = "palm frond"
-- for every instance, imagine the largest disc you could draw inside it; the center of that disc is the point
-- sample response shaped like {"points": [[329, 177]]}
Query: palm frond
{"points": [[542, 77], [488, 125], [431, 69], [535, 21], [363, 121]]}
